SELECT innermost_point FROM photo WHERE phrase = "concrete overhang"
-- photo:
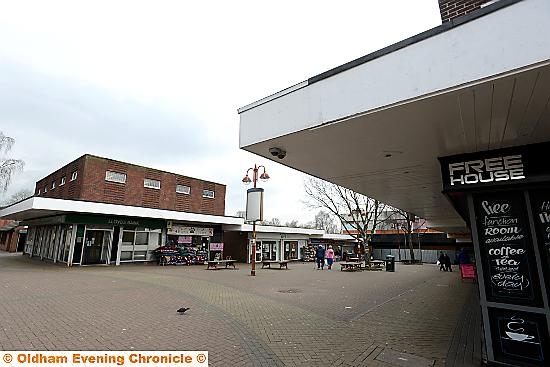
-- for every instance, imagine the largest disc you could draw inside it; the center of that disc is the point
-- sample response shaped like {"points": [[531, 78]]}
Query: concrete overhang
{"points": [[378, 124], [273, 229], [37, 207]]}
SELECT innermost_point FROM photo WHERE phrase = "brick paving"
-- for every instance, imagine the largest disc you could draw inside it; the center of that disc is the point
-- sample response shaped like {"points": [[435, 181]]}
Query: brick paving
{"points": [[299, 317]]}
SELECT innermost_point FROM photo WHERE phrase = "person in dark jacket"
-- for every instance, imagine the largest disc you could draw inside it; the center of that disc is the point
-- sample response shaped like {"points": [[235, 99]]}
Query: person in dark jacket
{"points": [[441, 260], [447, 261], [320, 255], [463, 257]]}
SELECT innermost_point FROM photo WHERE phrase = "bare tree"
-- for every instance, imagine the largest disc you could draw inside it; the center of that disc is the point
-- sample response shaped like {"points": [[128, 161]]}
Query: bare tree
{"points": [[359, 215], [405, 222], [324, 221], [272, 222], [293, 224], [8, 166], [18, 196]]}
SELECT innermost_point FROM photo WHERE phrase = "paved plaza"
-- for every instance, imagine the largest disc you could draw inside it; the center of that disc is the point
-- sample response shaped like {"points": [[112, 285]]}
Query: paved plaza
{"points": [[295, 317]]}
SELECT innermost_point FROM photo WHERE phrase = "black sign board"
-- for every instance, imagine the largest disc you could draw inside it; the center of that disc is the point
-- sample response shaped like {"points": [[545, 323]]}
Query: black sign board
{"points": [[540, 203], [506, 248], [519, 338], [516, 165]]}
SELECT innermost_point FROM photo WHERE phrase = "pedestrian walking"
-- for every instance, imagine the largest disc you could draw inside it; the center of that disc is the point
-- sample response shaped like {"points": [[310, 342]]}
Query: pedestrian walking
{"points": [[447, 261], [441, 261], [463, 257], [330, 257], [320, 255]]}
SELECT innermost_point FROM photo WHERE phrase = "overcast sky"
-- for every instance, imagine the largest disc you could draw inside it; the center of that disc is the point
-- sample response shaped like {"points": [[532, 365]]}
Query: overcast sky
{"points": [[158, 83]]}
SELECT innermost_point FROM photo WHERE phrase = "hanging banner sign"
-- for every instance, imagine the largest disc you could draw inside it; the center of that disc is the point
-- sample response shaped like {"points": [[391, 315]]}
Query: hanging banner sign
{"points": [[185, 239], [190, 231]]}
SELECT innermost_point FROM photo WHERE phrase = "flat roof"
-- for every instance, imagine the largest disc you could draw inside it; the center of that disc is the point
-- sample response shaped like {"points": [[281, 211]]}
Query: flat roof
{"points": [[38, 207]]}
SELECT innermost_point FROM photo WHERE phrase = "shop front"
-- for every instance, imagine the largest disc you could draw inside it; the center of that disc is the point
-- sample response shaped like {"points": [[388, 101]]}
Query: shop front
{"points": [[505, 197], [196, 241], [78, 239], [278, 246]]}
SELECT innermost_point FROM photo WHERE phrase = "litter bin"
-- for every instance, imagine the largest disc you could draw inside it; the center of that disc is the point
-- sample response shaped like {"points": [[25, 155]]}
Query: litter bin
{"points": [[390, 263]]}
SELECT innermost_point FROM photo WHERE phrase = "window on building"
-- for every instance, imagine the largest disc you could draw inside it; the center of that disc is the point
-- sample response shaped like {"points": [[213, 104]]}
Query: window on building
{"points": [[38, 193], [53, 185], [182, 189], [62, 181], [139, 244], [208, 194], [152, 184], [45, 189], [73, 175], [115, 177]]}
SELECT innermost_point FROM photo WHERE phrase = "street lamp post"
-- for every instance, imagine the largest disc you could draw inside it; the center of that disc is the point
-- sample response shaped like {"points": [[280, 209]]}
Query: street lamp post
{"points": [[246, 180]]}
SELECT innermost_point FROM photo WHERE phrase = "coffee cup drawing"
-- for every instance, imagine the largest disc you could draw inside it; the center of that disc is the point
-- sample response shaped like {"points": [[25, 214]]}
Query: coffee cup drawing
{"points": [[519, 337]]}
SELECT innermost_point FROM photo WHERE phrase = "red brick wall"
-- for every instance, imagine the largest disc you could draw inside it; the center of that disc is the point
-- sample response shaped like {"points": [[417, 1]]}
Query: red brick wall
{"points": [[70, 190], [450, 9], [92, 186]]}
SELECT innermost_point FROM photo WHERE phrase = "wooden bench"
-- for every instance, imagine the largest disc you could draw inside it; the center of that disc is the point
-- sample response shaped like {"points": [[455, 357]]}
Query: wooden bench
{"points": [[282, 263], [213, 265], [351, 265]]}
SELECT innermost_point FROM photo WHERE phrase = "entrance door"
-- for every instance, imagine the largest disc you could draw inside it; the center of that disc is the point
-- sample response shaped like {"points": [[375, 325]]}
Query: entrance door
{"points": [[96, 244], [269, 250]]}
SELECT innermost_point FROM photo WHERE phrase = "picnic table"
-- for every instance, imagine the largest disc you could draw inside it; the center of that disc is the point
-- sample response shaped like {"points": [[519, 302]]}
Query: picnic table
{"points": [[282, 263], [351, 265], [213, 265]]}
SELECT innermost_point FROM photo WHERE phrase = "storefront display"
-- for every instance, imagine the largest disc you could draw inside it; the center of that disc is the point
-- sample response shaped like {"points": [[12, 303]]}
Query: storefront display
{"points": [[190, 241]]}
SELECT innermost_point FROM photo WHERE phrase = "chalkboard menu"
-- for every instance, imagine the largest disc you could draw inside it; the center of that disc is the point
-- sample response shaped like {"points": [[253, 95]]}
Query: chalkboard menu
{"points": [[519, 337], [540, 203], [510, 274]]}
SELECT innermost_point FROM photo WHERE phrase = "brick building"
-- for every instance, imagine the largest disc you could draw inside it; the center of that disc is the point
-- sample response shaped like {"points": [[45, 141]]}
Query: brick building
{"points": [[92, 178]]}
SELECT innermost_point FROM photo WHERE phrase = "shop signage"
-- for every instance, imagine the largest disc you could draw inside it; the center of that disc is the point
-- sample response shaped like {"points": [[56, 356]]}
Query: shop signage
{"points": [[216, 246], [524, 164], [507, 252], [115, 221], [540, 203], [519, 337], [185, 239], [190, 231]]}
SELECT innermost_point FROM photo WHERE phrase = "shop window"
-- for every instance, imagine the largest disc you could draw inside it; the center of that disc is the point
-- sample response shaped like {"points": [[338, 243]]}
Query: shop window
{"points": [[115, 177], [182, 189], [126, 255], [152, 184], [139, 243], [208, 194], [62, 181], [74, 175]]}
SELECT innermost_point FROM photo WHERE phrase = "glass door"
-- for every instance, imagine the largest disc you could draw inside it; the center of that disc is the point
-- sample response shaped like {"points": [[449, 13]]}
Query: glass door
{"points": [[269, 250], [96, 247]]}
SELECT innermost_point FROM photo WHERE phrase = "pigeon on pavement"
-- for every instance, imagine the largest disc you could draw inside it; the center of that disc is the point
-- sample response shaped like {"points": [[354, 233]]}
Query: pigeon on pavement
{"points": [[182, 310]]}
